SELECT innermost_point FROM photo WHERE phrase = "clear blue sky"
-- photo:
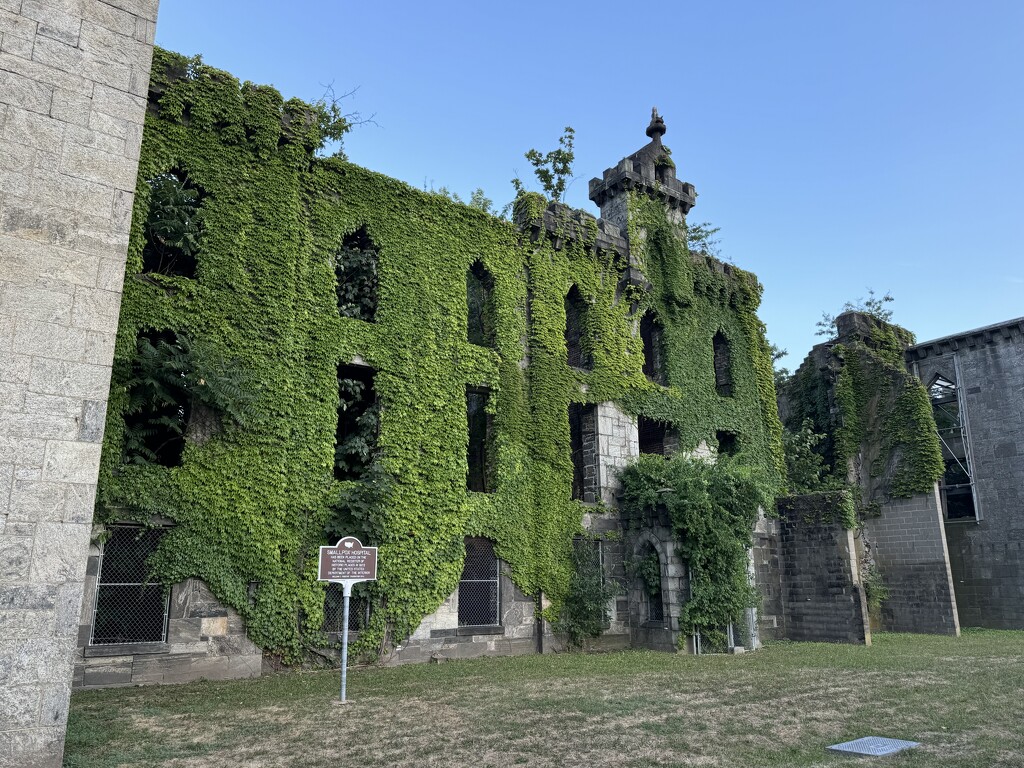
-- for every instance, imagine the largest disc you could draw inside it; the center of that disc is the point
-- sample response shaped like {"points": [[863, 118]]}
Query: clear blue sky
{"points": [[839, 146]]}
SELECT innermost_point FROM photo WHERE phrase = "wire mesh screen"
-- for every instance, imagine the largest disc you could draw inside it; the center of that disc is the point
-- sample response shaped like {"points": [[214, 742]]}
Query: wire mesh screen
{"points": [[130, 606], [478, 587], [334, 610]]}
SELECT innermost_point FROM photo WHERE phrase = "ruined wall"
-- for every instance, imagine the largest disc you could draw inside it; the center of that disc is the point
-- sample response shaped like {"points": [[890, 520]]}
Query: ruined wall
{"points": [[822, 597], [73, 78], [987, 554], [909, 548]]}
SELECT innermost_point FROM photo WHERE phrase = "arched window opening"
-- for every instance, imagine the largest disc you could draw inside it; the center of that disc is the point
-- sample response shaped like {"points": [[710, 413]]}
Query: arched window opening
{"points": [[648, 571], [173, 226], [723, 365], [479, 587], [355, 271], [577, 341], [355, 440], [480, 310], [651, 336]]}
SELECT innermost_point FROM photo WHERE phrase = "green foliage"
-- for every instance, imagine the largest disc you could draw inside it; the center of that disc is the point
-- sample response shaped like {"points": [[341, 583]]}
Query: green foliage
{"points": [[554, 169], [648, 570], [585, 609], [296, 255], [172, 226], [873, 306], [875, 590], [712, 508], [805, 469]]}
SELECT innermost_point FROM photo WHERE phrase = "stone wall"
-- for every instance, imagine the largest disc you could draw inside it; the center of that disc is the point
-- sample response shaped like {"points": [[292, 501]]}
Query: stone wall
{"points": [[73, 82], [909, 549], [767, 563], [987, 555], [205, 640], [617, 444], [821, 593]]}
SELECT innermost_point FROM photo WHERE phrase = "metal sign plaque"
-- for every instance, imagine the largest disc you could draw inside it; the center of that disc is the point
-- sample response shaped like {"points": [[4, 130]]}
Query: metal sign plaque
{"points": [[348, 560]]}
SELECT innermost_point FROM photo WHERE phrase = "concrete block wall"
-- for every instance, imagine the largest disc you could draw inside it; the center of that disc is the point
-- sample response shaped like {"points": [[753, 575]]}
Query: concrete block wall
{"points": [[987, 555], [821, 593], [909, 549], [73, 81], [767, 562]]}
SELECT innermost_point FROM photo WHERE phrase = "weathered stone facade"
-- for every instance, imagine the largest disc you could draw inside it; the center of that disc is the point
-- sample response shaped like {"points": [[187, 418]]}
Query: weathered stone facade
{"points": [[73, 82], [986, 548]]}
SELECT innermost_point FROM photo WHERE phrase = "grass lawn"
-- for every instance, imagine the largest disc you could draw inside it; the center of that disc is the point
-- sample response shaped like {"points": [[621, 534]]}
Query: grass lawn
{"points": [[962, 698]]}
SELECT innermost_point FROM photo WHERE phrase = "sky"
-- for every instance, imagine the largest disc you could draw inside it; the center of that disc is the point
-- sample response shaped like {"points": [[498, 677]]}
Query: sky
{"points": [[840, 147]]}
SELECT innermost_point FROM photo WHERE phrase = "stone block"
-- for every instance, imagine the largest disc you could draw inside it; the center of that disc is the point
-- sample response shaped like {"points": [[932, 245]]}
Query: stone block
{"points": [[70, 107], [59, 553], [95, 309], [15, 561], [39, 304], [107, 673], [216, 626], [53, 710], [115, 19], [37, 502], [24, 93], [56, 22], [20, 705], [101, 167], [71, 462], [33, 128]]}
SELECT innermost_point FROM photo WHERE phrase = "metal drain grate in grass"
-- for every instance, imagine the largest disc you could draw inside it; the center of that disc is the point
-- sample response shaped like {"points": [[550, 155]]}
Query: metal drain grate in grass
{"points": [[875, 746]]}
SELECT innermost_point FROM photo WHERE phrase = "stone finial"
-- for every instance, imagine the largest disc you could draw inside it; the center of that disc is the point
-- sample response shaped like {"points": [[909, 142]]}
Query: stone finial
{"points": [[657, 127]]}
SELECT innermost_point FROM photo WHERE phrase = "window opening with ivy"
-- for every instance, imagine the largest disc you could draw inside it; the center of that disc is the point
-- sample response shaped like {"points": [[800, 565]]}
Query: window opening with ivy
{"points": [[479, 588], [728, 443], [358, 420], [479, 424], [723, 365], [651, 335], [355, 272], [480, 319], [652, 435], [172, 226], [957, 483], [159, 401], [130, 606], [577, 343], [648, 571]]}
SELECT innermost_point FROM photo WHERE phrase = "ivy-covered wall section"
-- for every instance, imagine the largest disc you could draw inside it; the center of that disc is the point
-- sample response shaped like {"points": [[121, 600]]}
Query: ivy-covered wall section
{"points": [[254, 490]]}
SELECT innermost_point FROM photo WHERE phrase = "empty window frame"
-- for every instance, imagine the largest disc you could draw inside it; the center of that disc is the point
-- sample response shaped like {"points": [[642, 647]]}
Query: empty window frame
{"points": [[479, 425], [479, 587], [723, 365], [172, 227], [583, 448], [728, 443], [957, 484], [651, 336], [480, 310], [652, 435], [159, 400], [131, 607], [577, 340], [355, 272], [355, 438]]}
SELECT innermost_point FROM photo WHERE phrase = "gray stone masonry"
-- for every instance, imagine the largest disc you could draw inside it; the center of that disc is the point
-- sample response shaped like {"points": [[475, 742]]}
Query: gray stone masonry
{"points": [[205, 640], [822, 598], [617, 444], [73, 81], [987, 555], [909, 548]]}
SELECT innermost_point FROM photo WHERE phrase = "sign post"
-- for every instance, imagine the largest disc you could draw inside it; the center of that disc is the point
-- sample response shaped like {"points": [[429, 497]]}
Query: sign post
{"points": [[347, 563]]}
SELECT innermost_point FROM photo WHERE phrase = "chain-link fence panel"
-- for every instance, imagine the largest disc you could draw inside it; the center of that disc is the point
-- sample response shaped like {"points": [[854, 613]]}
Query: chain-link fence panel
{"points": [[130, 606]]}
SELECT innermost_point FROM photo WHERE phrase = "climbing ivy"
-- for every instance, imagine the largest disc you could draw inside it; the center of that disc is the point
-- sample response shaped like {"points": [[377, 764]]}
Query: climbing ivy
{"points": [[285, 239]]}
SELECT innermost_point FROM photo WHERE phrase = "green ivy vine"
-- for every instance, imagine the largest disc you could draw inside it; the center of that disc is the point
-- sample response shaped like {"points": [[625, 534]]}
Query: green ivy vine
{"points": [[271, 225]]}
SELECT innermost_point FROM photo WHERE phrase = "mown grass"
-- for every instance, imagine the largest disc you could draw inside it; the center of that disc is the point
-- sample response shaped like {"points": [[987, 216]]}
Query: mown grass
{"points": [[962, 698]]}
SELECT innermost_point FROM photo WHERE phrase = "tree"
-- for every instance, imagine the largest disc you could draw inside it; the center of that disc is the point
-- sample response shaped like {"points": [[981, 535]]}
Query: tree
{"points": [[873, 305], [553, 170]]}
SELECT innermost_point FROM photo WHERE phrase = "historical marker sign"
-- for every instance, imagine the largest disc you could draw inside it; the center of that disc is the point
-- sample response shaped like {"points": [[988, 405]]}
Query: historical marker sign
{"points": [[348, 560], [347, 563]]}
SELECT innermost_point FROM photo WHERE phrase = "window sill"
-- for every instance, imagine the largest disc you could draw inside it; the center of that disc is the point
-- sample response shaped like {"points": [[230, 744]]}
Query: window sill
{"points": [[491, 629], [125, 649]]}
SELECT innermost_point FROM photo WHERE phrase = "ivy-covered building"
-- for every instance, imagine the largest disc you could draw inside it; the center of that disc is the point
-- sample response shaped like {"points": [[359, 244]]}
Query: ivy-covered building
{"points": [[308, 349]]}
